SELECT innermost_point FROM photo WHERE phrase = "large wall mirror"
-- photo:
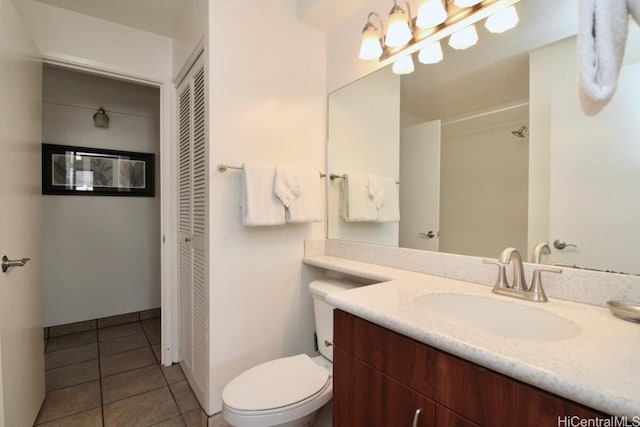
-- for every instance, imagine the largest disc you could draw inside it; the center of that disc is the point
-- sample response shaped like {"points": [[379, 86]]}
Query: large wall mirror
{"points": [[491, 150]]}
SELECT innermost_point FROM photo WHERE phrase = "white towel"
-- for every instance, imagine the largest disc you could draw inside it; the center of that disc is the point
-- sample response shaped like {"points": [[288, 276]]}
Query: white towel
{"points": [[307, 206], [602, 35], [260, 206], [286, 185], [376, 192], [390, 209], [634, 10], [356, 204]]}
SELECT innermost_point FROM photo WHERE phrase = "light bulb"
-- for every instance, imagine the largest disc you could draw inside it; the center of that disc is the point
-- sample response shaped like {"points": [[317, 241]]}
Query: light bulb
{"points": [[503, 20], [464, 38], [370, 47], [466, 3], [403, 65], [431, 54], [398, 33], [431, 13]]}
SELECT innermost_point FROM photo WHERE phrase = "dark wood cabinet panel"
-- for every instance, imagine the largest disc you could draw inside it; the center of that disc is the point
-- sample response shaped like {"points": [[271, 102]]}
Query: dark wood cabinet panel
{"points": [[447, 418], [402, 358], [466, 392], [492, 399], [362, 396]]}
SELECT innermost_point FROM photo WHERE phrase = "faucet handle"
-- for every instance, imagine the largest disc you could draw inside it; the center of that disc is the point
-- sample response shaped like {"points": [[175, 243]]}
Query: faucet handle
{"points": [[501, 281], [536, 282]]}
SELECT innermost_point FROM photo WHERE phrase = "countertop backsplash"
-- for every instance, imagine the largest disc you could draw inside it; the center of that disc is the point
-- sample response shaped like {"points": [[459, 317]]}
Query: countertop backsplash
{"points": [[583, 286]]}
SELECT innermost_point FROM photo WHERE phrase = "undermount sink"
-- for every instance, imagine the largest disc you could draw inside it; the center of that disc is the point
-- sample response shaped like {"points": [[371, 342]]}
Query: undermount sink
{"points": [[496, 316]]}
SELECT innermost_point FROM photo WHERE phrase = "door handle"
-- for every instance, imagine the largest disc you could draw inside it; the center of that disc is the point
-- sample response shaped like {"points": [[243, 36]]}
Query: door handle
{"points": [[561, 245], [187, 239], [428, 235], [8, 263]]}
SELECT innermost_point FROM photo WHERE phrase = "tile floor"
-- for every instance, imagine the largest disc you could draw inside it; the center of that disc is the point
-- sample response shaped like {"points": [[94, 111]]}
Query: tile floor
{"points": [[107, 373]]}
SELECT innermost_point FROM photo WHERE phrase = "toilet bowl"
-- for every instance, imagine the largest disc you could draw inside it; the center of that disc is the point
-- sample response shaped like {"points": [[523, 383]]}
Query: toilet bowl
{"points": [[287, 392], [282, 392]]}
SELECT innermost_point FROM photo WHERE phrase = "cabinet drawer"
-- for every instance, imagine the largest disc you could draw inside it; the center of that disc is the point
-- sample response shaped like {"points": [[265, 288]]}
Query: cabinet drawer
{"points": [[404, 359], [362, 396], [447, 418], [492, 399]]}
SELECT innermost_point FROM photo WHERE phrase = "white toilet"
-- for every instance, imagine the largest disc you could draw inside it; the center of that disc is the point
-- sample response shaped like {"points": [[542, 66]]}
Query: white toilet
{"points": [[288, 392]]}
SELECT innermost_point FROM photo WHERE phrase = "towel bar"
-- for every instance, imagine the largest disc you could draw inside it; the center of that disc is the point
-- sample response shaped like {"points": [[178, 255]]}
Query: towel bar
{"points": [[335, 176], [223, 167]]}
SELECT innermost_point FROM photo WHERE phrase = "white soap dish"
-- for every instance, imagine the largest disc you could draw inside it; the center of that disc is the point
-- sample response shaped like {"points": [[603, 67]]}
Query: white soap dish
{"points": [[625, 310]]}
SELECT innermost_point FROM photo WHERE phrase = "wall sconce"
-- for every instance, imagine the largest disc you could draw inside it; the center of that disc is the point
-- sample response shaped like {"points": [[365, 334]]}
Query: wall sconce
{"points": [[436, 20], [100, 118]]}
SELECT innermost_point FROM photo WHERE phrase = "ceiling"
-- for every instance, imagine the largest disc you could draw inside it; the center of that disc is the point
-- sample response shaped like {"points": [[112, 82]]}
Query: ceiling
{"points": [[155, 16], [158, 16]]}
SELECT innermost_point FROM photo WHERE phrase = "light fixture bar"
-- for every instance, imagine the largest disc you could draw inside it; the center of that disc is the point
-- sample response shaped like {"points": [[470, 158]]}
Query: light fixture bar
{"points": [[458, 18]]}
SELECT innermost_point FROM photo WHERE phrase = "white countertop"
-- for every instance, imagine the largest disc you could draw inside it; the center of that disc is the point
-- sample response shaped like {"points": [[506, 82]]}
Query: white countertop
{"points": [[600, 367]]}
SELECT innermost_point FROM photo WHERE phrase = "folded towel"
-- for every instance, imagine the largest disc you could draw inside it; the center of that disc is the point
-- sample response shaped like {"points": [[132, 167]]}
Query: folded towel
{"points": [[286, 185], [602, 35], [634, 10], [307, 206], [260, 206], [376, 192], [356, 204], [390, 209]]}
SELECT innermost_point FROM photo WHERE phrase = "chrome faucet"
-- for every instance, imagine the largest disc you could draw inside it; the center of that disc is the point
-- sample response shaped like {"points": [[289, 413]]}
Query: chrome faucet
{"points": [[541, 248], [512, 254], [519, 288]]}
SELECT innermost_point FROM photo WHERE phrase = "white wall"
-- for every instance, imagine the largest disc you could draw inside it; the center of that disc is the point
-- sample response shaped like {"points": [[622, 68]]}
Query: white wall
{"points": [[267, 104], [189, 31], [361, 141], [101, 255], [65, 35]]}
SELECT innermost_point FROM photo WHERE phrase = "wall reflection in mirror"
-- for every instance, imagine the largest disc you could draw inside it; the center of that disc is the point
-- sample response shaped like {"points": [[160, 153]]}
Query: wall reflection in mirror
{"points": [[496, 153]]}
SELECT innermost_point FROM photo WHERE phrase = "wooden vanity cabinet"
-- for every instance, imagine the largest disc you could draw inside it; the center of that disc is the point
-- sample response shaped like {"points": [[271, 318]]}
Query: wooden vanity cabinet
{"points": [[380, 378], [369, 398]]}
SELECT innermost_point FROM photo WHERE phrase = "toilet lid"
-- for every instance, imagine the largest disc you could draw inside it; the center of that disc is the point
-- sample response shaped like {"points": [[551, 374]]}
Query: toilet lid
{"points": [[280, 382]]}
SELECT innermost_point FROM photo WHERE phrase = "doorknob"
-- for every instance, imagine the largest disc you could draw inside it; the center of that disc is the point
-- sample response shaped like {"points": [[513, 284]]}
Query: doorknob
{"points": [[187, 239], [428, 235], [7, 263]]}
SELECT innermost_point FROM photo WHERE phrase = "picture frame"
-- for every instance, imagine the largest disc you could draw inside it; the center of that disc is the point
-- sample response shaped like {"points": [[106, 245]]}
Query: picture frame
{"points": [[83, 171]]}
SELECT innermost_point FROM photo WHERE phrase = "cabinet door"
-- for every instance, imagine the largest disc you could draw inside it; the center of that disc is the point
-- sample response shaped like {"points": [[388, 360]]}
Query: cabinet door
{"points": [[447, 418], [363, 396], [192, 228]]}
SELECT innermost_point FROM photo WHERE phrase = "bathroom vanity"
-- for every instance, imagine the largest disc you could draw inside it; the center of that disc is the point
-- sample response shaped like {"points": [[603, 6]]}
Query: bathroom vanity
{"points": [[382, 378], [409, 341]]}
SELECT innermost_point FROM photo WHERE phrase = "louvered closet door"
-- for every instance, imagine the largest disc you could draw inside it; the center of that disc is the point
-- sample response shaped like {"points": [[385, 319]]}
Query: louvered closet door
{"points": [[192, 226]]}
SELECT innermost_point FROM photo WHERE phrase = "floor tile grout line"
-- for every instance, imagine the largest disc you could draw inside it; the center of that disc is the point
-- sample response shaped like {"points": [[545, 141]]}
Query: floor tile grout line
{"points": [[137, 394], [100, 377], [38, 423]]}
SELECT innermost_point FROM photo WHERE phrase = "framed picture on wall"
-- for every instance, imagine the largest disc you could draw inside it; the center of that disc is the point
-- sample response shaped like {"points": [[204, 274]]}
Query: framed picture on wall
{"points": [[82, 171]]}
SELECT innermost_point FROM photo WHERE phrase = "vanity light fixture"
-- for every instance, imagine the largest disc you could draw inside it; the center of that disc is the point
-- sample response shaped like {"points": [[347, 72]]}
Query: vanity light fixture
{"points": [[466, 3], [464, 38], [403, 65], [431, 13], [436, 20], [431, 54], [371, 47], [502, 21], [399, 33]]}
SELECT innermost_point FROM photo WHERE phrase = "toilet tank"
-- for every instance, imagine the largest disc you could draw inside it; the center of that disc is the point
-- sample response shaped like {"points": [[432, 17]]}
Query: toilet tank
{"points": [[323, 312]]}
